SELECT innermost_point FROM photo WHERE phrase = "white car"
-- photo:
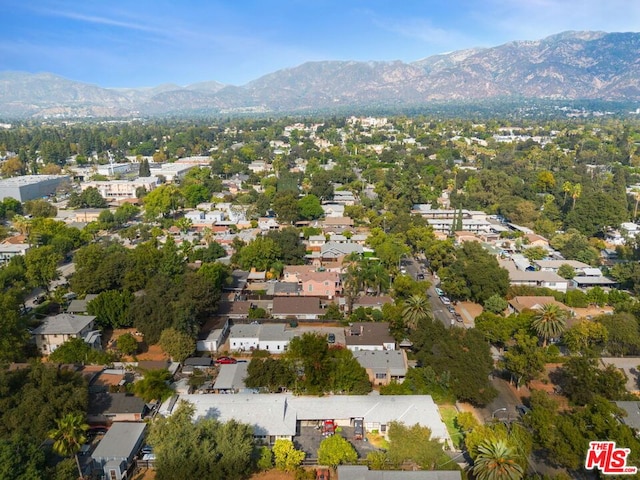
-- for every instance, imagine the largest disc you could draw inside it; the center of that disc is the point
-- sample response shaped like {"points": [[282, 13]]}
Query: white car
{"points": [[445, 300]]}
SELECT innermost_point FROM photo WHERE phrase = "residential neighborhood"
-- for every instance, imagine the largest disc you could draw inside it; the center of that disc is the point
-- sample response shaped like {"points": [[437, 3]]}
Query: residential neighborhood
{"points": [[396, 307]]}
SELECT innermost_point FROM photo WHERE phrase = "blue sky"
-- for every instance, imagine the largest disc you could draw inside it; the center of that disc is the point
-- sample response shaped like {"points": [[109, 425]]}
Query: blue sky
{"points": [[135, 43]]}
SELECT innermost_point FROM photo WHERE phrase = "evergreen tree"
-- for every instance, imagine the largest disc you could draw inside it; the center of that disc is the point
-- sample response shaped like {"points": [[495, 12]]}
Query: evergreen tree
{"points": [[144, 169]]}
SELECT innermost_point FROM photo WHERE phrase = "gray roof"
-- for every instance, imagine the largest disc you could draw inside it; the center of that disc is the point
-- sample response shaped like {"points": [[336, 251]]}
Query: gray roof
{"points": [[244, 331], [381, 361], [362, 472], [587, 280], [113, 403], [198, 361], [276, 414], [632, 409], [64, 324], [286, 287], [369, 333], [264, 332], [231, 377], [332, 249], [555, 264], [80, 306], [516, 275], [119, 441]]}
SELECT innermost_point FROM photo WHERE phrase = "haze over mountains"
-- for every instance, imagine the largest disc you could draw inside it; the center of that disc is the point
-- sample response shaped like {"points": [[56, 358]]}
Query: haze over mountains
{"points": [[568, 66]]}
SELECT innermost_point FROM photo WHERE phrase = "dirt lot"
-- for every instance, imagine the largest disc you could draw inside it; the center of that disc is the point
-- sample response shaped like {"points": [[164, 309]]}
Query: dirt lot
{"points": [[145, 352]]}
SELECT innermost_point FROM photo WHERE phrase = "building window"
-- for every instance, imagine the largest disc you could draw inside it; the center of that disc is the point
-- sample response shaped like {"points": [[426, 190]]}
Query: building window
{"points": [[381, 375], [310, 288]]}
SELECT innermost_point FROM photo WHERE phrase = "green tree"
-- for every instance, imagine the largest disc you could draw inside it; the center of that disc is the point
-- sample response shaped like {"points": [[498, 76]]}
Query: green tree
{"points": [[286, 457], [265, 461], [154, 385], [414, 443], [214, 449], [496, 461], [22, 459], [89, 198], [42, 266], [525, 360], [416, 308], [144, 169], [76, 350], [474, 275], [586, 337], [111, 308], [127, 344], [535, 253], [162, 201], [549, 322], [623, 333], [566, 271], [495, 304], [40, 208], [69, 436], [286, 206], [336, 450], [310, 207], [176, 344]]}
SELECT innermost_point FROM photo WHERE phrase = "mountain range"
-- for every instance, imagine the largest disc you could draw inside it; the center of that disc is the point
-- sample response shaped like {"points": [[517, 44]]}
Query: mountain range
{"points": [[566, 66]]}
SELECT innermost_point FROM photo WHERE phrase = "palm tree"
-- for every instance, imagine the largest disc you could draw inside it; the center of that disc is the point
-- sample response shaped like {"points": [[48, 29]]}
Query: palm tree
{"points": [[636, 195], [496, 460], [549, 322], [69, 436], [576, 191], [566, 188], [416, 308]]}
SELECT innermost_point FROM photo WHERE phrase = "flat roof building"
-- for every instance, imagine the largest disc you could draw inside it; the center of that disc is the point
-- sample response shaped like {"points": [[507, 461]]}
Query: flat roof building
{"points": [[30, 187]]}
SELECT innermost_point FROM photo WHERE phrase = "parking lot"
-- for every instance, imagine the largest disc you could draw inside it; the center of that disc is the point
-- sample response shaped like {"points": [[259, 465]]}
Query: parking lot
{"points": [[309, 439]]}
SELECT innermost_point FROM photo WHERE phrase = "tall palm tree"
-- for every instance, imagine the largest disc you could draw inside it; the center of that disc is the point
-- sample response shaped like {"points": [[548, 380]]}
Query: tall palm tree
{"points": [[496, 460], [566, 188], [69, 436], [416, 308], [549, 322], [576, 191]]}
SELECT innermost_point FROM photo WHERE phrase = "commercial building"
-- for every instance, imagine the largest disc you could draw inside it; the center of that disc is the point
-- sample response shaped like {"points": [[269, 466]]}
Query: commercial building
{"points": [[30, 187]]}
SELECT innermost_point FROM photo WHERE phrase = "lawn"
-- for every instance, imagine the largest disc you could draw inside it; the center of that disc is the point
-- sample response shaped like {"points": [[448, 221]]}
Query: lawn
{"points": [[449, 414]]}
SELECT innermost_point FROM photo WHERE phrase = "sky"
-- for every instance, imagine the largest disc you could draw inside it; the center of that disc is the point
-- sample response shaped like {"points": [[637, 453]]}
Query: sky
{"points": [[145, 43]]}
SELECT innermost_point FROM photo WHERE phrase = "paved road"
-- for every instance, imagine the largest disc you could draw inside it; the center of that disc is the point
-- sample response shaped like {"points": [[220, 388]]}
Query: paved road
{"points": [[415, 267]]}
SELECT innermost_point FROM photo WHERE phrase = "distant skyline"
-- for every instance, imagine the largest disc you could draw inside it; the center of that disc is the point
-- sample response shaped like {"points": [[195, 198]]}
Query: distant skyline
{"points": [[138, 43]]}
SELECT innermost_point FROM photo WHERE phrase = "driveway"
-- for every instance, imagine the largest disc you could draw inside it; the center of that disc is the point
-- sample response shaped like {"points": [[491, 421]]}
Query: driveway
{"points": [[309, 440]]}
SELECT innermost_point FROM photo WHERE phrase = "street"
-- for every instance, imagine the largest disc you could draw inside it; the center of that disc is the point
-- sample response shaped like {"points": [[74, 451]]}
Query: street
{"points": [[415, 267]]}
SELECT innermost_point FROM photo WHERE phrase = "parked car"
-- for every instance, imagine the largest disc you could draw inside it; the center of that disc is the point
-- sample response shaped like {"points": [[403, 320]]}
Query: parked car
{"points": [[331, 338], [451, 309], [358, 428], [328, 428], [445, 300], [226, 360], [522, 410], [439, 292]]}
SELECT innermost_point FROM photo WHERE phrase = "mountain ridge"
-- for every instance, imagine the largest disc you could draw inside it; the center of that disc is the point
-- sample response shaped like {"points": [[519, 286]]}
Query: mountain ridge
{"points": [[571, 65]]}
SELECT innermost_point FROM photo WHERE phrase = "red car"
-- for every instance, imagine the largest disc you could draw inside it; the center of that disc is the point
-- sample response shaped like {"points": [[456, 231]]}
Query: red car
{"points": [[226, 360]]}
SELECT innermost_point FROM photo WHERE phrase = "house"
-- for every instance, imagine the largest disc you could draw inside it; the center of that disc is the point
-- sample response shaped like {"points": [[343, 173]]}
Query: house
{"points": [[239, 280], [300, 308], [534, 240], [545, 279], [10, 250], [383, 367], [80, 306], [234, 309], [374, 302], [280, 415], [212, 340], [231, 378], [273, 338], [331, 252], [369, 336], [268, 223], [320, 284], [292, 273], [55, 330], [631, 418], [337, 224], [362, 472], [284, 289], [315, 242], [106, 407], [531, 302], [115, 453]]}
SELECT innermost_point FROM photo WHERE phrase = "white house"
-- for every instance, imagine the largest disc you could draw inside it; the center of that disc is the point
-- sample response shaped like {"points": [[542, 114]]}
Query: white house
{"points": [[273, 338]]}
